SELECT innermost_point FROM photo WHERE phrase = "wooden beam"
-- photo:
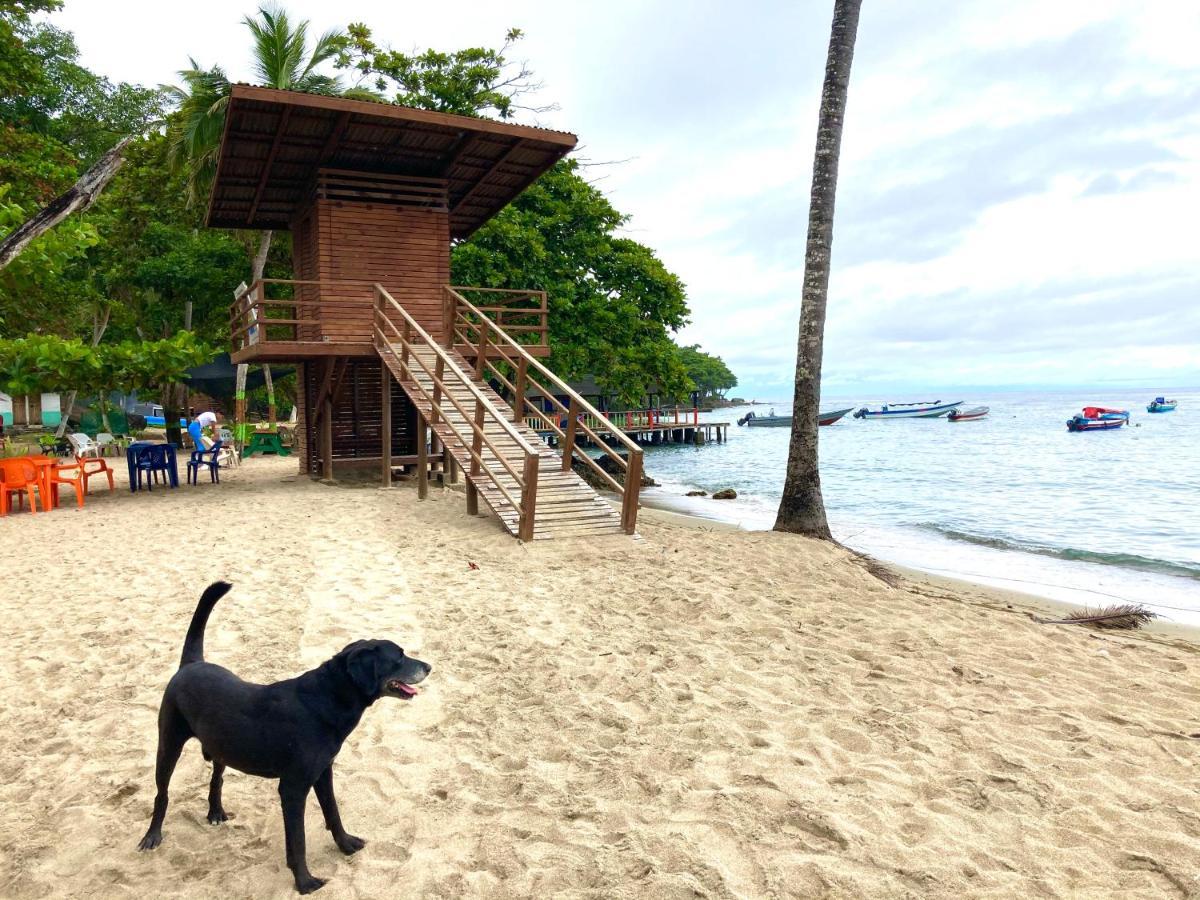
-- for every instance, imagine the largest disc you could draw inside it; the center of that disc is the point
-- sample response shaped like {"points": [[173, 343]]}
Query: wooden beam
{"points": [[386, 434], [486, 175], [266, 172], [465, 142], [335, 138]]}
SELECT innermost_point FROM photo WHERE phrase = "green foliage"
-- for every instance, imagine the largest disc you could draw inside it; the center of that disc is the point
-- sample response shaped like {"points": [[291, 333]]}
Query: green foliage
{"points": [[281, 60], [34, 292], [613, 303], [47, 363], [84, 112], [469, 82], [20, 71], [709, 373]]}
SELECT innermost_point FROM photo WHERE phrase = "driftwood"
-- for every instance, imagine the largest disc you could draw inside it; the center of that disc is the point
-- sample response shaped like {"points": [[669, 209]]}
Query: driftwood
{"points": [[80, 196], [1126, 615]]}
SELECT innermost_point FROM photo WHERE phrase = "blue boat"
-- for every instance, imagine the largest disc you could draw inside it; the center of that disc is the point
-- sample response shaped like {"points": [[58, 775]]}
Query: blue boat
{"points": [[1161, 404], [1097, 418], [926, 410]]}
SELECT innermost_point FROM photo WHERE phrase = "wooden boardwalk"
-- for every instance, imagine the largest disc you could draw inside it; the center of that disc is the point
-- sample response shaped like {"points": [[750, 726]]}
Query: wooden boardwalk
{"points": [[566, 505]]}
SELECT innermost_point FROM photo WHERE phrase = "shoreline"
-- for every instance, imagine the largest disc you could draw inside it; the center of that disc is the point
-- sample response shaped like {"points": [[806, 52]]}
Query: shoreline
{"points": [[1029, 601]]}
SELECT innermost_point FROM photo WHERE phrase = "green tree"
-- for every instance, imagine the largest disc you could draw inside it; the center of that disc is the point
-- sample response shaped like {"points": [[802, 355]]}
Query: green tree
{"points": [[476, 81], [802, 507], [613, 304], [709, 373]]}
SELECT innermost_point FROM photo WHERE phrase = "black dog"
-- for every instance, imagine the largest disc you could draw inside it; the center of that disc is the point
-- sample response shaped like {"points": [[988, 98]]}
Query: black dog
{"points": [[290, 730]]}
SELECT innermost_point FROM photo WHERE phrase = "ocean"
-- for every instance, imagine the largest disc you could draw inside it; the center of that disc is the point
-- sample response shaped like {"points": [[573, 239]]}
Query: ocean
{"points": [[1013, 501]]}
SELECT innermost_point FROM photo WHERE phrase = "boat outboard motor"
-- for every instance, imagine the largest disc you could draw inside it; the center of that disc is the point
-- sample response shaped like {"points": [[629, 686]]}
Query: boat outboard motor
{"points": [[861, 414]]}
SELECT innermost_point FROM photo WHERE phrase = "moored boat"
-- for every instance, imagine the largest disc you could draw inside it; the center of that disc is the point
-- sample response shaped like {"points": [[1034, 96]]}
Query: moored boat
{"points": [[966, 415], [828, 418], [771, 420], [925, 410], [1098, 418], [1161, 405]]}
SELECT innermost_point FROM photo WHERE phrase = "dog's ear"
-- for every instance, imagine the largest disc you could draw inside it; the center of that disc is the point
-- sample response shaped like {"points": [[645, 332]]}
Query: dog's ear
{"points": [[362, 665]]}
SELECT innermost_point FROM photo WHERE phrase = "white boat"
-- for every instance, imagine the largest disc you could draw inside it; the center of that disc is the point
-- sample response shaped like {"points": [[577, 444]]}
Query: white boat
{"points": [[925, 410]]}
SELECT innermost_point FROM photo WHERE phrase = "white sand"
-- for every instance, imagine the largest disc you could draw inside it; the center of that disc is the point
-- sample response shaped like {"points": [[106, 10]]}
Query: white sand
{"points": [[705, 712]]}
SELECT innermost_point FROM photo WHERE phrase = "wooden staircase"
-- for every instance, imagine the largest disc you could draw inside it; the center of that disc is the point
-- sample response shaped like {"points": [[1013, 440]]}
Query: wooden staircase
{"points": [[507, 463]]}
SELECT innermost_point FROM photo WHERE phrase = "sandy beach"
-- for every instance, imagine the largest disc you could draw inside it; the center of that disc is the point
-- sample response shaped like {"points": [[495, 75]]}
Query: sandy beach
{"points": [[700, 713]]}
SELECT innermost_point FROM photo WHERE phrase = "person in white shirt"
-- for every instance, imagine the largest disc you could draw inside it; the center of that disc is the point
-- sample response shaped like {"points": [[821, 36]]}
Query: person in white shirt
{"points": [[210, 420]]}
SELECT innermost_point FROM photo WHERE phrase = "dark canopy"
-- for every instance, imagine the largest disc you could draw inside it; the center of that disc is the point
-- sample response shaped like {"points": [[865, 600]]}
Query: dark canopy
{"points": [[276, 141], [219, 377]]}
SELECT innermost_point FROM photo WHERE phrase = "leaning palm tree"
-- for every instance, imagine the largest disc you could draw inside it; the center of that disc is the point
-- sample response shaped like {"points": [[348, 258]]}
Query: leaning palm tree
{"points": [[281, 60], [802, 508]]}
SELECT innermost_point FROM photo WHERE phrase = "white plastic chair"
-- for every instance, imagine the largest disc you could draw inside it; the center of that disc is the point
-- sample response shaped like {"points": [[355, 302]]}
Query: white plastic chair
{"points": [[227, 456], [104, 441], [84, 445]]}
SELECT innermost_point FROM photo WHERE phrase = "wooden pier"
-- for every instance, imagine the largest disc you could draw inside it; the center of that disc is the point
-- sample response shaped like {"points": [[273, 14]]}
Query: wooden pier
{"points": [[677, 425]]}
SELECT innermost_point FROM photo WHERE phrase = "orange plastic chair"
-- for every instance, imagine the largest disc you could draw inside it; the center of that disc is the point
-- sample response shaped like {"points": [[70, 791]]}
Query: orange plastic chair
{"points": [[98, 467], [73, 474], [20, 478]]}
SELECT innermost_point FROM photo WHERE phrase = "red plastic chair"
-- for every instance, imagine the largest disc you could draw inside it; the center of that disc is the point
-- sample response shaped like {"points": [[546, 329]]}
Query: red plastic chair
{"points": [[18, 476], [98, 467], [74, 475]]}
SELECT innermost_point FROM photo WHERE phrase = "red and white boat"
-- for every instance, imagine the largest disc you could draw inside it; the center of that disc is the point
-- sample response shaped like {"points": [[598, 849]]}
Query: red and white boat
{"points": [[966, 415]]}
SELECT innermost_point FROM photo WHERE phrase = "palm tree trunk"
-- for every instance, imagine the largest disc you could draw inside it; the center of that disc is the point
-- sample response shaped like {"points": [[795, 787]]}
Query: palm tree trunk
{"points": [[802, 508], [239, 396]]}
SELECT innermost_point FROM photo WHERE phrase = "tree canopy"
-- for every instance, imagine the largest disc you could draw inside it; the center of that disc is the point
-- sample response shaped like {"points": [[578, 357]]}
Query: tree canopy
{"points": [[709, 373], [141, 262]]}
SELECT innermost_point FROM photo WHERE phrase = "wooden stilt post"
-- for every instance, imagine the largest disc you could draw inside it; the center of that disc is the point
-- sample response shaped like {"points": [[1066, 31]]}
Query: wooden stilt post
{"points": [[422, 459], [386, 433], [327, 439], [519, 399], [633, 488], [528, 497], [569, 442], [477, 452]]}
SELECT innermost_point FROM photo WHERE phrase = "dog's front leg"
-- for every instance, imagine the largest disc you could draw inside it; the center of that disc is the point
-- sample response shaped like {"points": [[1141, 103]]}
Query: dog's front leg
{"points": [[292, 796], [347, 843]]}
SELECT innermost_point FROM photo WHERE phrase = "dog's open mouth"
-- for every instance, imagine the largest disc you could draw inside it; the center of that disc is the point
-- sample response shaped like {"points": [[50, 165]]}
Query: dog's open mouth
{"points": [[400, 689]]}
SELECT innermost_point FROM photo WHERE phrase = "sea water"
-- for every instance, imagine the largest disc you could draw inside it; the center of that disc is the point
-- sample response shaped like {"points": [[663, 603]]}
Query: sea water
{"points": [[1013, 500]]}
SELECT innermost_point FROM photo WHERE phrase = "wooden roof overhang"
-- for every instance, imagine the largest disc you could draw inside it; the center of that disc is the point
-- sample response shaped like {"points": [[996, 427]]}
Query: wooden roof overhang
{"points": [[275, 142]]}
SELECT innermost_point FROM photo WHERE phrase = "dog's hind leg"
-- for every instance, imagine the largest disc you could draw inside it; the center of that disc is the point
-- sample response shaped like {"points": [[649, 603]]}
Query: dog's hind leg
{"points": [[347, 843], [216, 812], [292, 796], [173, 733]]}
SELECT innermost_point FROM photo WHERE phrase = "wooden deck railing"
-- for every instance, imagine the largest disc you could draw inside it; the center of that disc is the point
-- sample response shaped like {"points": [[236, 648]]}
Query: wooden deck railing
{"points": [[627, 420], [471, 326], [394, 327], [255, 318], [522, 315]]}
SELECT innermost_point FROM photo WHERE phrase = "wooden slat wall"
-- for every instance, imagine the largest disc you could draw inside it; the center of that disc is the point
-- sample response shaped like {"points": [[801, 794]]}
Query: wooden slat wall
{"points": [[305, 248], [406, 250], [356, 416]]}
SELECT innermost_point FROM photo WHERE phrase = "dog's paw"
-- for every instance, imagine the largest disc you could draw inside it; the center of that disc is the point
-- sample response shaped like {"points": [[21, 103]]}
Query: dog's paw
{"points": [[151, 840], [349, 844], [217, 816], [309, 883]]}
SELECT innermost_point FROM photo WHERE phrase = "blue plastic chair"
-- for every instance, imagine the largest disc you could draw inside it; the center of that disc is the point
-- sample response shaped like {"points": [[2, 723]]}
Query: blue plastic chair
{"points": [[205, 458], [151, 460]]}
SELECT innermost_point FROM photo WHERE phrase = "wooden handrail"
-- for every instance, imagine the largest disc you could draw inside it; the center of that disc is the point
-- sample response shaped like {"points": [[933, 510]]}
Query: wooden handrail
{"points": [[578, 405], [526, 479], [440, 385]]}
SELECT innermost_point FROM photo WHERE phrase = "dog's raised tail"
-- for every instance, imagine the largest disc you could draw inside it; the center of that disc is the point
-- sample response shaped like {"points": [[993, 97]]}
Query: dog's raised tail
{"points": [[193, 644]]}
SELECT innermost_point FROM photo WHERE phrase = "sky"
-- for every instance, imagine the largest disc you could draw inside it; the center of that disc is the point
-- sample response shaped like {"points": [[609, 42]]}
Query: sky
{"points": [[1018, 191]]}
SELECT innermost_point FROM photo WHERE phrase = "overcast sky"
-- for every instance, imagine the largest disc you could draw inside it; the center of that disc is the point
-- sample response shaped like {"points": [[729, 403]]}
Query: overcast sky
{"points": [[1019, 186]]}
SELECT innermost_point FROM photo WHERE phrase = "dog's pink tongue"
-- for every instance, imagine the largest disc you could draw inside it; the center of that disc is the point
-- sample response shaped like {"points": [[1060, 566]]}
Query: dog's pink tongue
{"points": [[407, 689]]}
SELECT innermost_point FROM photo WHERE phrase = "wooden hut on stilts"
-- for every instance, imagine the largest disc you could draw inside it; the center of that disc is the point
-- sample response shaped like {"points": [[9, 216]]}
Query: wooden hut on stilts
{"points": [[395, 366]]}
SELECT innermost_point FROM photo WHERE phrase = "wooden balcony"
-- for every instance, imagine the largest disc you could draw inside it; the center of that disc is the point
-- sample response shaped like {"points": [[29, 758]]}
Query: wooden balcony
{"points": [[288, 320]]}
